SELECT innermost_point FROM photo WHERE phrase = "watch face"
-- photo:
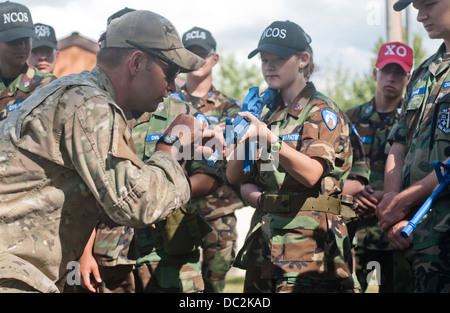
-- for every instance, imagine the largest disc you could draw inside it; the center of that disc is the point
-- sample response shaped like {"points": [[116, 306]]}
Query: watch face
{"points": [[170, 139]]}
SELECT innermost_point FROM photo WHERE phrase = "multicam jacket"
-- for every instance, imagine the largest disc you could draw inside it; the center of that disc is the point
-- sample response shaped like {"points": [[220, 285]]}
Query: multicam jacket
{"points": [[66, 156], [373, 131], [217, 107], [21, 88], [424, 127], [113, 242], [307, 244]]}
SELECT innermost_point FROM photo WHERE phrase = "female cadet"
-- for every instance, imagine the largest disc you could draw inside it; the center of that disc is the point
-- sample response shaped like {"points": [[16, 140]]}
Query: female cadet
{"points": [[298, 240]]}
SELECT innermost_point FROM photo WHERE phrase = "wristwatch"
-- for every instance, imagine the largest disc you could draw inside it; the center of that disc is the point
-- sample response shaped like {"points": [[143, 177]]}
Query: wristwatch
{"points": [[168, 139], [276, 146]]}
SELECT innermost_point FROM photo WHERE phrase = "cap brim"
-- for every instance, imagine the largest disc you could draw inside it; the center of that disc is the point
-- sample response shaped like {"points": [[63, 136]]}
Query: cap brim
{"points": [[185, 59], [403, 65], [400, 5], [16, 33], [199, 44], [272, 49], [43, 43]]}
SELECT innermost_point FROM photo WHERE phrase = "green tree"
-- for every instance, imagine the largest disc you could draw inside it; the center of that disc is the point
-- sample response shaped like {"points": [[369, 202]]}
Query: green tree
{"points": [[236, 78]]}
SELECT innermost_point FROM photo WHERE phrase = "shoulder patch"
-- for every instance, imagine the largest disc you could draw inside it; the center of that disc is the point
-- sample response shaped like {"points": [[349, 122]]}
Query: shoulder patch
{"points": [[330, 118]]}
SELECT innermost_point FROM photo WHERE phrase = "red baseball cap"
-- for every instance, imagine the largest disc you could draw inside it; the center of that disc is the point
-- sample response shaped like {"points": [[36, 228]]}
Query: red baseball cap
{"points": [[395, 52]]}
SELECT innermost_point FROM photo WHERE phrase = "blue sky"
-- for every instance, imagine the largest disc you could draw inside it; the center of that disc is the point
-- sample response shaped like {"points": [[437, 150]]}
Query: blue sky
{"points": [[342, 30]]}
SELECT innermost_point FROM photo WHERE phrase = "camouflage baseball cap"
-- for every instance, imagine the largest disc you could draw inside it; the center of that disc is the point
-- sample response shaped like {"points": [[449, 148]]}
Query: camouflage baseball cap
{"points": [[152, 33], [15, 22], [401, 4], [46, 37]]}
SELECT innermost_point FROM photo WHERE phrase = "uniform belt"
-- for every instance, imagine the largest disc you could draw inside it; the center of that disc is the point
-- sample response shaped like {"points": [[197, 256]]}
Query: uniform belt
{"points": [[286, 203]]}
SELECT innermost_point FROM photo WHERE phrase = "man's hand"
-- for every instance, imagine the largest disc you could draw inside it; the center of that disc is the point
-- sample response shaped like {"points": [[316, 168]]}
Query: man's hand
{"points": [[193, 139], [395, 237], [89, 266], [391, 209]]}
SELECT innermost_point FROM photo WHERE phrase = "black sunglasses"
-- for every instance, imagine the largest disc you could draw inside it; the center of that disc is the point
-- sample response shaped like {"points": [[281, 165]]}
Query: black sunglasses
{"points": [[171, 72]]}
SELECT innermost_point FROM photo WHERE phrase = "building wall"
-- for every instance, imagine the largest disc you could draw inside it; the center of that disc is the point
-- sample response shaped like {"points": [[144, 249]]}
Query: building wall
{"points": [[74, 60]]}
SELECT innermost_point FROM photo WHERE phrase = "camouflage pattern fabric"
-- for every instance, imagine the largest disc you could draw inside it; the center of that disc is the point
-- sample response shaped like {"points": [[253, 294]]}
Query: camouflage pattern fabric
{"points": [[373, 130], [425, 130], [80, 162], [218, 209], [21, 88], [144, 247], [309, 249]]}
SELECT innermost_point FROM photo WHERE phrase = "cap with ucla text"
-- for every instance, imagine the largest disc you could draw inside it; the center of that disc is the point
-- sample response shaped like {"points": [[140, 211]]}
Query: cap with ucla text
{"points": [[282, 39], [401, 4], [46, 35], [151, 32], [199, 37], [395, 52], [15, 22]]}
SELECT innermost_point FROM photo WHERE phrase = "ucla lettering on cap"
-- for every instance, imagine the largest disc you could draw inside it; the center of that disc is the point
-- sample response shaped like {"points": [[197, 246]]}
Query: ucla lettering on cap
{"points": [[197, 36], [15, 22]]}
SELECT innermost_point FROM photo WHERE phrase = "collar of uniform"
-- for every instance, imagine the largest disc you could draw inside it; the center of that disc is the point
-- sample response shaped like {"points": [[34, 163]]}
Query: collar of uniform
{"points": [[302, 99], [22, 82], [434, 63], [104, 82]]}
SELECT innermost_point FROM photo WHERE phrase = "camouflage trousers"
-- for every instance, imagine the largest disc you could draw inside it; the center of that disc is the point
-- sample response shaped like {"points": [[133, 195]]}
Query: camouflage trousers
{"points": [[430, 268], [167, 275], [256, 281], [219, 252]]}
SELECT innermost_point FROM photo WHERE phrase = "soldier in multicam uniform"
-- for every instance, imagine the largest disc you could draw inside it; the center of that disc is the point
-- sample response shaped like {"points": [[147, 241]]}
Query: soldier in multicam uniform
{"points": [[373, 121], [305, 244], [421, 137], [66, 154], [18, 80], [219, 246]]}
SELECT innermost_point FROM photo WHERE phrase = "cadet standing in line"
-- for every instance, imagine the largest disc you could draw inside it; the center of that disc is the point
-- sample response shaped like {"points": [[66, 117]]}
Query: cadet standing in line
{"points": [[421, 137], [305, 246], [373, 121], [219, 246], [44, 50], [66, 155], [18, 80]]}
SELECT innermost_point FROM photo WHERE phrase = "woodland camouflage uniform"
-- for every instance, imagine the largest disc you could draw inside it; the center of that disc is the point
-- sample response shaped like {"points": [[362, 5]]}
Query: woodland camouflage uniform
{"points": [[424, 127], [21, 88], [298, 239], [219, 246]]}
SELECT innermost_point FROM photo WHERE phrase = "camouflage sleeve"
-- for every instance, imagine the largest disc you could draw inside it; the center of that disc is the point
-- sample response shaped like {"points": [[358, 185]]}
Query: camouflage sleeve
{"points": [[133, 193], [201, 167], [399, 132], [321, 142]]}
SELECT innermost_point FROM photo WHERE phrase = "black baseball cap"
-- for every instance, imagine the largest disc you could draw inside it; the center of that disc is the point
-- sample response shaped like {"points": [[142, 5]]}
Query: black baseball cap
{"points": [[197, 36], [282, 39], [46, 37], [401, 4], [15, 22]]}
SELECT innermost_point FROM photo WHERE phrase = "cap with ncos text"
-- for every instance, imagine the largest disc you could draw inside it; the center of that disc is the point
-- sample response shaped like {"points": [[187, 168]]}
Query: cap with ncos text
{"points": [[282, 38], [15, 22], [150, 32]]}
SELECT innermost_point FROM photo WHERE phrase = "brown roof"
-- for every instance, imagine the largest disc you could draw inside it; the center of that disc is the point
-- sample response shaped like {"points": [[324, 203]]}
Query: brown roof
{"points": [[75, 39]]}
